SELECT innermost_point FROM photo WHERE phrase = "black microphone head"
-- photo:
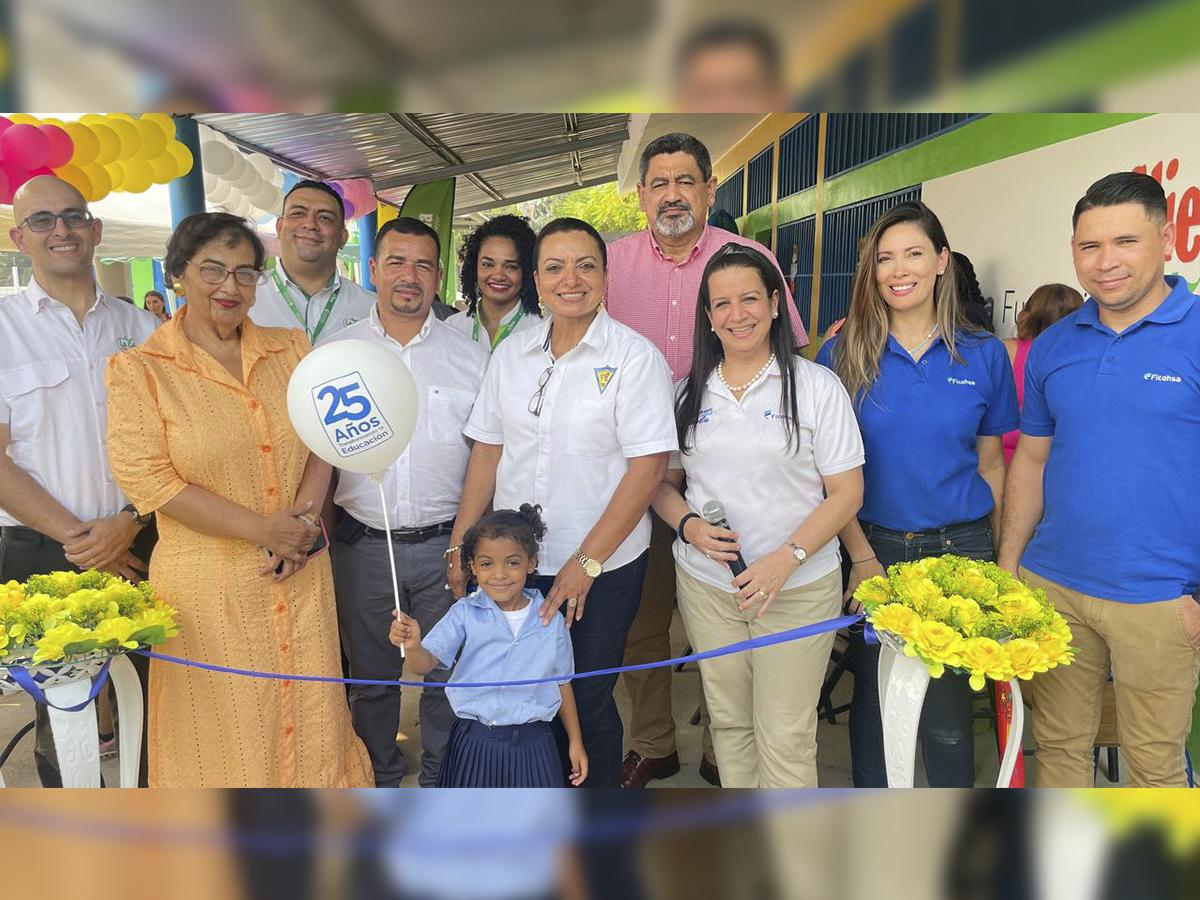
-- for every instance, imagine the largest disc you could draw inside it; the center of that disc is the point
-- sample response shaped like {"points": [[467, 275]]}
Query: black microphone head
{"points": [[713, 512]]}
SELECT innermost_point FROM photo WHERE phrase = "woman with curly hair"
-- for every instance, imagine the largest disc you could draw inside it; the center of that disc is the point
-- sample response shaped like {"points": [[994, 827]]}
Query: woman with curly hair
{"points": [[496, 277]]}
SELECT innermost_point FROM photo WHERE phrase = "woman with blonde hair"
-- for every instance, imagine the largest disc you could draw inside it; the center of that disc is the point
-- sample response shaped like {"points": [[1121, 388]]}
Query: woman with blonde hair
{"points": [[1045, 306], [933, 395]]}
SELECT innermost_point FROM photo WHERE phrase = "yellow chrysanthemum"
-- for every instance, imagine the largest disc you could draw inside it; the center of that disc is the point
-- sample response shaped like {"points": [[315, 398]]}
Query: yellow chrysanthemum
{"points": [[896, 619], [965, 612], [116, 632], [939, 645], [923, 594], [63, 640], [874, 591], [1172, 810], [984, 659], [1026, 658], [1055, 649]]}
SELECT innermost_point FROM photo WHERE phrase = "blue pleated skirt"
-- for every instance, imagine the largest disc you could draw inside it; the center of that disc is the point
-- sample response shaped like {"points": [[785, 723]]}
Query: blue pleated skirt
{"points": [[501, 756]]}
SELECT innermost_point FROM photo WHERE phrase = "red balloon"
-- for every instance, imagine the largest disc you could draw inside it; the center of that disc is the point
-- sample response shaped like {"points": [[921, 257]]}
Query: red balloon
{"points": [[6, 193], [14, 175], [5, 123], [62, 148], [25, 145]]}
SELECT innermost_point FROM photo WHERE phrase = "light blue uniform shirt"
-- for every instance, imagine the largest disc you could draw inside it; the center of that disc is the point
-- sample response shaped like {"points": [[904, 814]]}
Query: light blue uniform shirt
{"points": [[476, 632], [920, 422], [1122, 481]]}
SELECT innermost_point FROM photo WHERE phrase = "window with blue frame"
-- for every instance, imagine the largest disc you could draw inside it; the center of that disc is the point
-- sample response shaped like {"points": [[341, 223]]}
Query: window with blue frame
{"points": [[760, 170], [729, 195], [852, 139], [794, 247], [798, 157]]}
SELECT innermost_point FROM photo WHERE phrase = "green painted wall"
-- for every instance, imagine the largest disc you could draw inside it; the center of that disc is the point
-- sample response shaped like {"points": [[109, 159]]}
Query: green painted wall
{"points": [[983, 141]]}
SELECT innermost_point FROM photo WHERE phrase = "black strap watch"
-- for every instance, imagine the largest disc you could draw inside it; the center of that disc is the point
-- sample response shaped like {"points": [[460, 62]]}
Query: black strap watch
{"points": [[142, 521]]}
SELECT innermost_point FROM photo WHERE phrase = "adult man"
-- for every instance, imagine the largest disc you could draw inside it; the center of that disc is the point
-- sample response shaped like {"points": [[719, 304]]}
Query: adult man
{"points": [[305, 290], [422, 490], [653, 285], [730, 66], [59, 505], [1100, 491]]}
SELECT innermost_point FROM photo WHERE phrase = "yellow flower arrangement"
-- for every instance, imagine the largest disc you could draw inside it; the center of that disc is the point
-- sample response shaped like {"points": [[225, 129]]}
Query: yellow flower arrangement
{"points": [[969, 616], [65, 615], [1172, 811]]}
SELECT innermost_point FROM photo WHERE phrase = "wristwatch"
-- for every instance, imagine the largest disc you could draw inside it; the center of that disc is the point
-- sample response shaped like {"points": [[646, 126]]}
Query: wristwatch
{"points": [[591, 567], [142, 521], [798, 553]]}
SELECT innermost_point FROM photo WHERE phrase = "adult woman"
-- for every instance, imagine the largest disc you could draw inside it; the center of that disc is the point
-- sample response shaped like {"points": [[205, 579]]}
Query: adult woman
{"points": [[933, 395], [576, 416], [156, 305], [1045, 306], [496, 277], [199, 433], [788, 499]]}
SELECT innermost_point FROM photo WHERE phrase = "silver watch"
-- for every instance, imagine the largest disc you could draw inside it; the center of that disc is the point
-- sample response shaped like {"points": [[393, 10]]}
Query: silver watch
{"points": [[798, 553]]}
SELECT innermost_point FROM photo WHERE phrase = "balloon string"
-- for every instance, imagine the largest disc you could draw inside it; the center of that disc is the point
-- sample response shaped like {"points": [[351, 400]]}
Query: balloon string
{"points": [[387, 529]]}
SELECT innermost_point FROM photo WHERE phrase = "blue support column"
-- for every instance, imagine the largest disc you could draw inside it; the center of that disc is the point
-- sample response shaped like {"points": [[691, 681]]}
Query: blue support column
{"points": [[187, 193], [367, 226]]}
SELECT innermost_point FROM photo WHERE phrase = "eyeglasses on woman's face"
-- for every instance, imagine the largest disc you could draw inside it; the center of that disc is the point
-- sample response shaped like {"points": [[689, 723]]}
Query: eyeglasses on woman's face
{"points": [[215, 273]]}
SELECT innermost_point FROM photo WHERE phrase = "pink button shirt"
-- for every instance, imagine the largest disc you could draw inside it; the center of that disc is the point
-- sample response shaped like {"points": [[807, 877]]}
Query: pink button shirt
{"points": [[656, 296]]}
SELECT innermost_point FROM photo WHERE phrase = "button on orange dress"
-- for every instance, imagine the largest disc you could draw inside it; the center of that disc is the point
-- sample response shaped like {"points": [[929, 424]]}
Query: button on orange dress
{"points": [[177, 418]]}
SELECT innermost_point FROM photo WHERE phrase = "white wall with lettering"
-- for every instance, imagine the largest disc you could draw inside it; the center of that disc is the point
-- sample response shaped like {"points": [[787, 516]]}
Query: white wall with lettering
{"points": [[1012, 217]]}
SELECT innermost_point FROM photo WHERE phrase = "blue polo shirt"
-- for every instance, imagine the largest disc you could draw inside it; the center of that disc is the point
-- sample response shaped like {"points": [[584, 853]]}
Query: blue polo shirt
{"points": [[476, 632], [1122, 482], [919, 423]]}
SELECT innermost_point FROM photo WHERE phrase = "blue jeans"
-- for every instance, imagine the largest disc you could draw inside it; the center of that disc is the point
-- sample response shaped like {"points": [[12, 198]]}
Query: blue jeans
{"points": [[598, 640], [947, 736]]}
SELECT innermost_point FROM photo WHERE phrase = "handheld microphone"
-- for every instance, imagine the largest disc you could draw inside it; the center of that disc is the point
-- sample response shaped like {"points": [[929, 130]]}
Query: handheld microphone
{"points": [[714, 514]]}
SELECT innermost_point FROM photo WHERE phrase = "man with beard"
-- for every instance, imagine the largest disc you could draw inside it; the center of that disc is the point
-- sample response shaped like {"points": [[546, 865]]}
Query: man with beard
{"points": [[653, 285], [422, 489], [305, 291]]}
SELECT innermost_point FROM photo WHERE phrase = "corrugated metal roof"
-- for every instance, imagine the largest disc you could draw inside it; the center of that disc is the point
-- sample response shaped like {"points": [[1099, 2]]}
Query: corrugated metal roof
{"points": [[507, 155]]}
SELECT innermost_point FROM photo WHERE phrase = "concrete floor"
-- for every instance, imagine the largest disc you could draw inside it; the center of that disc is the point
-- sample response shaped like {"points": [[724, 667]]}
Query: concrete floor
{"points": [[833, 744]]}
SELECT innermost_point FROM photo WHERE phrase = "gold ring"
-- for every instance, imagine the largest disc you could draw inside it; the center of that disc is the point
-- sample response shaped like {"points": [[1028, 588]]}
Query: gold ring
{"points": [[572, 602], [761, 593]]}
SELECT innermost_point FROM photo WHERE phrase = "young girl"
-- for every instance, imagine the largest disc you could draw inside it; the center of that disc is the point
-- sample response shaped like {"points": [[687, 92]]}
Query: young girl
{"points": [[502, 737]]}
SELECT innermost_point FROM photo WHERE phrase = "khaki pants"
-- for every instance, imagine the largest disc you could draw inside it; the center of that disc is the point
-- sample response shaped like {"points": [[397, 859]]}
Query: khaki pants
{"points": [[1154, 667], [651, 723], [763, 703]]}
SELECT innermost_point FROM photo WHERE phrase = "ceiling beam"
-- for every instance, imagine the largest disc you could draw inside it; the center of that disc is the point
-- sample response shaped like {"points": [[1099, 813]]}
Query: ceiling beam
{"points": [[535, 195], [495, 162], [411, 124]]}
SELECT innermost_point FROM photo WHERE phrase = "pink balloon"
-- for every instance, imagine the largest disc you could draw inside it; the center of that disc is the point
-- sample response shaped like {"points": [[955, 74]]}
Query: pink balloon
{"points": [[5, 123], [6, 193], [62, 148], [25, 145], [14, 175], [42, 170]]}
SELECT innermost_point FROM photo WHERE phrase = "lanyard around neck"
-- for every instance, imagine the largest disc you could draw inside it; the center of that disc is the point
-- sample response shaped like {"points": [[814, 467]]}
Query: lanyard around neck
{"points": [[501, 333], [286, 293]]}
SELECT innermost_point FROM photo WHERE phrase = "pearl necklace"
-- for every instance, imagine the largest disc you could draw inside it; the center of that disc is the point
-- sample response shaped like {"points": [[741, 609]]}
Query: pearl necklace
{"points": [[738, 388]]}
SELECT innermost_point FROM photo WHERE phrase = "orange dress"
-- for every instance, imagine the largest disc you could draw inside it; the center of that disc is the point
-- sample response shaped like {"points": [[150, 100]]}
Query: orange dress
{"points": [[177, 418]]}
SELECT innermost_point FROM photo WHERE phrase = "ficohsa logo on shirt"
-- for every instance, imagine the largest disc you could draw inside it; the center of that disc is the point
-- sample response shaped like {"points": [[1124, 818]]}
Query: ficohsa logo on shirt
{"points": [[349, 415]]}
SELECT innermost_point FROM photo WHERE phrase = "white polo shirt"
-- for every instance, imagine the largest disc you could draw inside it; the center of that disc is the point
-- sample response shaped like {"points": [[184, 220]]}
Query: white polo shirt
{"points": [[53, 397], [740, 456], [606, 401], [271, 309], [466, 325], [423, 486]]}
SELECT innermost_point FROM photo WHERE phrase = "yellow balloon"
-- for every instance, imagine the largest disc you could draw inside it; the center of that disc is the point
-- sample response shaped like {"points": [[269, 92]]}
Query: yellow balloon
{"points": [[164, 122], [77, 178], [92, 119], [100, 179], [154, 141], [163, 168], [87, 147], [124, 116], [127, 134], [116, 174], [138, 176], [109, 145], [183, 158], [23, 119]]}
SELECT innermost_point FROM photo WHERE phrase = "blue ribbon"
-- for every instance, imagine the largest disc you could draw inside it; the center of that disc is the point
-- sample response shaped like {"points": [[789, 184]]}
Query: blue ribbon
{"points": [[767, 640], [33, 689], [869, 635]]}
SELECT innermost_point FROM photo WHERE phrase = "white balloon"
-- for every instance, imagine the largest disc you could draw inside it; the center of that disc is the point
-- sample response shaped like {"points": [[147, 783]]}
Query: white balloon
{"points": [[218, 158], [210, 182], [354, 404], [247, 179], [221, 192], [263, 166], [277, 178], [262, 195]]}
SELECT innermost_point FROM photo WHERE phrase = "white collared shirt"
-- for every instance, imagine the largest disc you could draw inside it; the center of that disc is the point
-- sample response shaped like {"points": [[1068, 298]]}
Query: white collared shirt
{"points": [[53, 397], [271, 310], [465, 324], [740, 456], [423, 486], [606, 401]]}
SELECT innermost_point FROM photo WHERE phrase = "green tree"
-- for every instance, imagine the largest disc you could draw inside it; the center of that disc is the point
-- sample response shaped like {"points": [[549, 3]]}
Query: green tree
{"points": [[601, 205]]}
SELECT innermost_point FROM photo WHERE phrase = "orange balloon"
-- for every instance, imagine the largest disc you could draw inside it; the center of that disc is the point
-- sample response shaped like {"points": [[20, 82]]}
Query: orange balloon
{"points": [[77, 178], [163, 168], [100, 179], [183, 158], [87, 146], [164, 122], [127, 134], [109, 145], [138, 176], [116, 174], [154, 141]]}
